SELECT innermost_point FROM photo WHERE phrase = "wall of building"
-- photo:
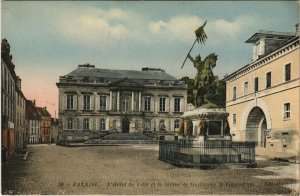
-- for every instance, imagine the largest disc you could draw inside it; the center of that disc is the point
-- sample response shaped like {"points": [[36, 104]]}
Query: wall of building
{"points": [[283, 134], [136, 113], [20, 125], [34, 131], [45, 130], [8, 107]]}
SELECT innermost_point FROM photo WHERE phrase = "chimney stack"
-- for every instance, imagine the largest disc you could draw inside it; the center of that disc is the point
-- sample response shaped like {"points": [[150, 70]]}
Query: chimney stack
{"points": [[297, 29], [19, 82], [34, 102]]}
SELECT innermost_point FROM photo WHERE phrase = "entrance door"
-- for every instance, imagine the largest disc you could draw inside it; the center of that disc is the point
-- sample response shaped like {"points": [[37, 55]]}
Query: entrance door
{"points": [[125, 125]]}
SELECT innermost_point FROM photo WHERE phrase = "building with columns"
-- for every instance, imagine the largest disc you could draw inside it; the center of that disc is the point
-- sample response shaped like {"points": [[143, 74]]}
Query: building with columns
{"points": [[93, 100], [263, 97]]}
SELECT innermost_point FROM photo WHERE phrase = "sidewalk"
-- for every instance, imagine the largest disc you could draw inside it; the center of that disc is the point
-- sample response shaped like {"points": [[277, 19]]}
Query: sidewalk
{"points": [[278, 156]]}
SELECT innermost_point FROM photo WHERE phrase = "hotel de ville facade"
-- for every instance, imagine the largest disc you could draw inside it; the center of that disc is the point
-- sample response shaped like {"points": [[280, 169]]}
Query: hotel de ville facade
{"points": [[263, 97], [93, 100]]}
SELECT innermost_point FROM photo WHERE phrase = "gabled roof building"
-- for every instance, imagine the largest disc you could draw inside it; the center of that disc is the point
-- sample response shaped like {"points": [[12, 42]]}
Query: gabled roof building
{"points": [[33, 122]]}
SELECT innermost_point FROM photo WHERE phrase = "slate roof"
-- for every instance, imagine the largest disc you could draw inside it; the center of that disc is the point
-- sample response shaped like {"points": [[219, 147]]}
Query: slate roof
{"points": [[255, 37], [31, 111], [43, 111], [118, 74]]}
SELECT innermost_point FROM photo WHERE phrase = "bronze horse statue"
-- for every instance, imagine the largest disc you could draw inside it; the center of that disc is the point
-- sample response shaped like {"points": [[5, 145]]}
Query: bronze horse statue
{"points": [[204, 75]]}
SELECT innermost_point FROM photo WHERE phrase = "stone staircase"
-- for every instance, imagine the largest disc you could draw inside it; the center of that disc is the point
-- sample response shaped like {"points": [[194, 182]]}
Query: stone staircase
{"points": [[124, 138], [127, 136]]}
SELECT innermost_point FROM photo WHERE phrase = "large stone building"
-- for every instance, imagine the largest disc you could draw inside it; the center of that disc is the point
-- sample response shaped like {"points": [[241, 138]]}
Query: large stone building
{"points": [[12, 104], [92, 100], [263, 97]]}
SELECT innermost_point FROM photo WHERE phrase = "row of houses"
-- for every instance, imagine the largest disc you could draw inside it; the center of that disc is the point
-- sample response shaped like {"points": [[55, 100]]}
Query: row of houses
{"points": [[21, 121]]}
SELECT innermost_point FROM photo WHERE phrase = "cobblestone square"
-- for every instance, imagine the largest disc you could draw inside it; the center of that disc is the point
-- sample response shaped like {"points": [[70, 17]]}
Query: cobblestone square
{"points": [[52, 169]]}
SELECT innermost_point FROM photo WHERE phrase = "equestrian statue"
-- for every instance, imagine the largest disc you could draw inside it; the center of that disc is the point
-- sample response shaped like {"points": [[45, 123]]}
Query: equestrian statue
{"points": [[205, 77]]}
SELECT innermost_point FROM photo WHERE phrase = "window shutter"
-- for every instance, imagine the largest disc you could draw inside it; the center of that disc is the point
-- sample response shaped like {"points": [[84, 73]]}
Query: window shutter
{"points": [[64, 123], [92, 102], [172, 125], [157, 104], [107, 102], [182, 104], [74, 123], [167, 104], [75, 102], [91, 120], [97, 102], [107, 124], [80, 102], [80, 123], [97, 124], [64, 106]]}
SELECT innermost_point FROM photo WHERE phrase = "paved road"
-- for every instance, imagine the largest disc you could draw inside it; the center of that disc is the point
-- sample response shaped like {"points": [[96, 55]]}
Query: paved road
{"points": [[54, 169]]}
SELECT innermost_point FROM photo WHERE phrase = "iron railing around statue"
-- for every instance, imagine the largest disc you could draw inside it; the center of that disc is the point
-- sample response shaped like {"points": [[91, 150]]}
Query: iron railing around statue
{"points": [[191, 153]]}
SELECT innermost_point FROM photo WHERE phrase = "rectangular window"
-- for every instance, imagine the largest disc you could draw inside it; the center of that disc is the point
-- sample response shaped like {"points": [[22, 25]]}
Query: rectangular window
{"points": [[176, 124], [102, 103], [234, 119], [70, 102], [102, 124], [147, 103], [162, 104], [70, 124], [125, 103], [287, 71], [268, 80], [147, 125], [245, 88], [86, 124], [256, 84], [177, 104], [234, 93], [287, 111], [86, 102]]}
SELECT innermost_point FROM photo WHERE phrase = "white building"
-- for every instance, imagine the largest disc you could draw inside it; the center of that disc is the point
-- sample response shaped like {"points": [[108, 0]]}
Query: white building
{"points": [[92, 100]]}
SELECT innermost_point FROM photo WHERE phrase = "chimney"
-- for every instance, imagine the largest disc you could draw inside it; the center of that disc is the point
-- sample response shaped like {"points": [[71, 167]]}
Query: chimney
{"points": [[297, 29], [34, 102], [19, 82]]}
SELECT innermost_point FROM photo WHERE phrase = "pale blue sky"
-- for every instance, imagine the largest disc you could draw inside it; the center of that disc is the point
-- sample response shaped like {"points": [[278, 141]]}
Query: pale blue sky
{"points": [[49, 39]]}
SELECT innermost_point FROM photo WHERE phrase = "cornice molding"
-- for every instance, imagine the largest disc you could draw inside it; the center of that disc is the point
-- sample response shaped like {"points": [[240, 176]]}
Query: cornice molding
{"points": [[267, 59]]}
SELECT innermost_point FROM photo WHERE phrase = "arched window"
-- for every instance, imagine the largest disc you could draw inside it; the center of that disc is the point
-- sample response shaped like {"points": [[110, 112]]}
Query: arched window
{"points": [[176, 124], [162, 126], [86, 124], [70, 123], [102, 124]]}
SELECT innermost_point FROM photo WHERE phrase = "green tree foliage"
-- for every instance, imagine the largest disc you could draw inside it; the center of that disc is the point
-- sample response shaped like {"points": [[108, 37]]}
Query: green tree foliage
{"points": [[190, 83]]}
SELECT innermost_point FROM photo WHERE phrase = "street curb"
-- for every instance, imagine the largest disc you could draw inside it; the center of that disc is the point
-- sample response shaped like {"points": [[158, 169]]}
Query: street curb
{"points": [[26, 156]]}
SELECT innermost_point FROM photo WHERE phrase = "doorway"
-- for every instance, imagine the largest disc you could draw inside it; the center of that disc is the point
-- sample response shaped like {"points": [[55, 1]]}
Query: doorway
{"points": [[125, 125], [256, 127]]}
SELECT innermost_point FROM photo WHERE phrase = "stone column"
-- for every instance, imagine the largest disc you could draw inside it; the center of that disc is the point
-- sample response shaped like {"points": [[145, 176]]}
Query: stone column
{"points": [[118, 101], [185, 127], [132, 100], [140, 101], [110, 100]]}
